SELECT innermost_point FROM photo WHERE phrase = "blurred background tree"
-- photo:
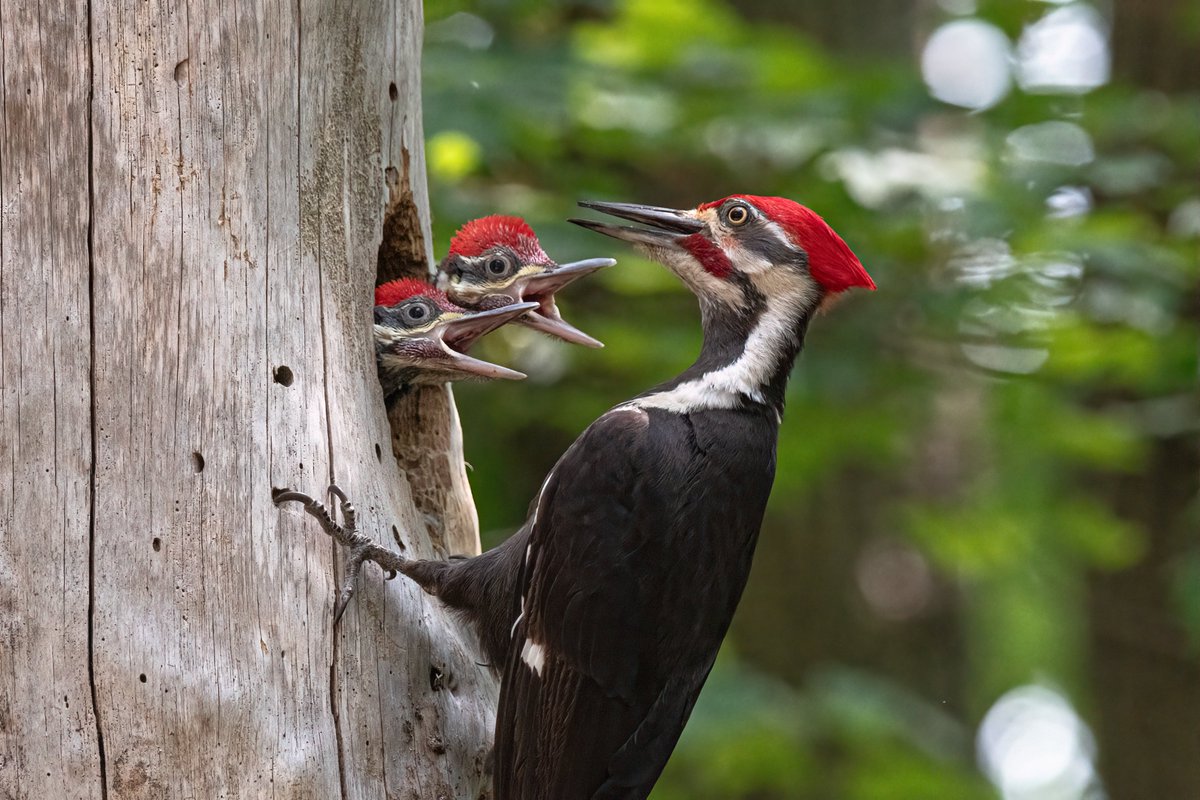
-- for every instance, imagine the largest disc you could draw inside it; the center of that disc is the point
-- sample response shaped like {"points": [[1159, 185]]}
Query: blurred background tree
{"points": [[980, 572]]}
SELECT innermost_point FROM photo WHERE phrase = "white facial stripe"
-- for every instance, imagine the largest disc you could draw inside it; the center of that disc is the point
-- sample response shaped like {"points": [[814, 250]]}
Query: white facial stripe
{"points": [[748, 261], [385, 334], [752, 262], [534, 655], [768, 344], [780, 234]]}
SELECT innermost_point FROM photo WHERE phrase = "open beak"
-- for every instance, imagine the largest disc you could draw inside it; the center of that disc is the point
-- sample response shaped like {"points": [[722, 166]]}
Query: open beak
{"points": [[541, 288], [665, 226], [547, 320], [457, 334], [552, 280]]}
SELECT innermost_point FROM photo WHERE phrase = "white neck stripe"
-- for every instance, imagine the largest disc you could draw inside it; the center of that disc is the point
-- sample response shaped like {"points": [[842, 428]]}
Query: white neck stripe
{"points": [[768, 344]]}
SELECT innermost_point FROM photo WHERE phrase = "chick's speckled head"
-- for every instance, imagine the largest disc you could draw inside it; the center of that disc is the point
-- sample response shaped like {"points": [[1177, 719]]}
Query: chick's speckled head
{"points": [[421, 337], [497, 260]]}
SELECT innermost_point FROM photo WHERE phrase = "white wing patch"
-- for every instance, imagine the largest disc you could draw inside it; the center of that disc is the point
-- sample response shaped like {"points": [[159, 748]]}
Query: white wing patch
{"points": [[534, 656]]}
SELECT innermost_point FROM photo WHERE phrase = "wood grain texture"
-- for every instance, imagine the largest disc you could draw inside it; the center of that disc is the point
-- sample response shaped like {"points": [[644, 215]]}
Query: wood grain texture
{"points": [[427, 444], [48, 739], [242, 159]]}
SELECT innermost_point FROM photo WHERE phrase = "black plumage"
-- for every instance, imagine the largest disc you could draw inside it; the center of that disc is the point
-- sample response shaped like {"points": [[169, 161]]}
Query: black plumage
{"points": [[640, 542], [638, 555], [480, 589], [606, 610]]}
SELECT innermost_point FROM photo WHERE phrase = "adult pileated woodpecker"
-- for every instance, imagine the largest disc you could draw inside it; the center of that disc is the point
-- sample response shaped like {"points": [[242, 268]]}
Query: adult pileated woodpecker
{"points": [[607, 608], [422, 338], [496, 260], [641, 538]]}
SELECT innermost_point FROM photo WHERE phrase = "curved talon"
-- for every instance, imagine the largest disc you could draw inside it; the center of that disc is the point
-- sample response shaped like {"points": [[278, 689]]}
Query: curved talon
{"points": [[288, 494], [361, 549], [343, 601], [391, 575]]}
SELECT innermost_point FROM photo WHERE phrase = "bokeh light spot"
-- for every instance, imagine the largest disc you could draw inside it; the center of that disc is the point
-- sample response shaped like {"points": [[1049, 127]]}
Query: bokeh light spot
{"points": [[966, 63], [1065, 51], [895, 580], [1033, 746], [453, 155], [1069, 201], [1054, 142]]}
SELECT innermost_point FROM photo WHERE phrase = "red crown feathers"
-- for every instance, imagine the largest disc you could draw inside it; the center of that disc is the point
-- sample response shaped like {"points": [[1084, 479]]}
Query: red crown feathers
{"points": [[479, 235], [395, 292], [830, 260]]}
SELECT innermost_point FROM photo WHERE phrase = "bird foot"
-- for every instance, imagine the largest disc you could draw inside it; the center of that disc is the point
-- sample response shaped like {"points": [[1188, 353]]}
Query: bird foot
{"points": [[361, 549]]}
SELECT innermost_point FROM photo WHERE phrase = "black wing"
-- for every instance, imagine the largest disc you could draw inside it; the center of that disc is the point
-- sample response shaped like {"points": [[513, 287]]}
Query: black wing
{"points": [[617, 628]]}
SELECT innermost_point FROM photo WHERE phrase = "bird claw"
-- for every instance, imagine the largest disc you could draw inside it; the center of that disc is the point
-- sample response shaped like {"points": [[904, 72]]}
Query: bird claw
{"points": [[361, 549]]}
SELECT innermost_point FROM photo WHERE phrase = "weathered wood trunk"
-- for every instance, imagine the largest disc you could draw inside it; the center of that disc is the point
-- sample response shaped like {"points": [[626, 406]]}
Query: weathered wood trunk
{"points": [[195, 200]]}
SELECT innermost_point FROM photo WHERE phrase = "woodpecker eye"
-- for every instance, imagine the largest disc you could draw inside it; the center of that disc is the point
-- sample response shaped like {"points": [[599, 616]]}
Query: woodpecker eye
{"points": [[416, 312], [497, 266], [737, 214]]}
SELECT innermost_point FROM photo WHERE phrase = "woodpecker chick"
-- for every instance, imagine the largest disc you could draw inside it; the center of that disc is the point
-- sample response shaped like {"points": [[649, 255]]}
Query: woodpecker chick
{"points": [[641, 538], [495, 261], [422, 338]]}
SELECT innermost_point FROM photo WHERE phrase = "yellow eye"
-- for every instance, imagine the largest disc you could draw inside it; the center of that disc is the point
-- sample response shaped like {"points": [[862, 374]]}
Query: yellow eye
{"points": [[737, 215]]}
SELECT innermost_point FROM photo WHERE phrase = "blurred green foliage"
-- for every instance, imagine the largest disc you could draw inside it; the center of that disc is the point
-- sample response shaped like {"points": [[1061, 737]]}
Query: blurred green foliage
{"points": [[959, 438]]}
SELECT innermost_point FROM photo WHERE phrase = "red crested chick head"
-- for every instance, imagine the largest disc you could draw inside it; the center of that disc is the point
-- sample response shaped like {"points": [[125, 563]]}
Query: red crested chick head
{"points": [[421, 337], [395, 292], [497, 260], [479, 236]]}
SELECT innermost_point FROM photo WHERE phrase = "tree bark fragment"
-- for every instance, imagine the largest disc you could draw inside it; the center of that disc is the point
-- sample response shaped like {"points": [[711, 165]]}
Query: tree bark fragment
{"points": [[204, 339]]}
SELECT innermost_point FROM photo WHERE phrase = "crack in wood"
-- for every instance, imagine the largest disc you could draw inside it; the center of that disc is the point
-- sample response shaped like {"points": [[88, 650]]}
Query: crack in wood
{"points": [[402, 252], [91, 292]]}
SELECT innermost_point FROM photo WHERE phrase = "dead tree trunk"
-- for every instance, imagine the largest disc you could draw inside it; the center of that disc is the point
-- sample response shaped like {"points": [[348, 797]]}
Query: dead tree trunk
{"points": [[195, 199]]}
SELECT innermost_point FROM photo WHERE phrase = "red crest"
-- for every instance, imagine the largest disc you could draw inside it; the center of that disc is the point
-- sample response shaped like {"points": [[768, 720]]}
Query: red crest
{"points": [[830, 260], [479, 235], [395, 292]]}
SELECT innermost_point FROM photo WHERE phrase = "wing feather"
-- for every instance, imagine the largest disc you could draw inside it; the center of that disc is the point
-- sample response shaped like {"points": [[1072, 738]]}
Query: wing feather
{"points": [[639, 550]]}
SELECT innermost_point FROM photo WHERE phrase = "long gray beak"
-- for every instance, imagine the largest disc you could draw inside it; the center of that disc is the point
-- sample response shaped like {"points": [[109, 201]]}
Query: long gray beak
{"points": [[547, 320], [462, 332], [457, 335], [542, 287], [555, 279], [484, 369], [665, 225]]}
